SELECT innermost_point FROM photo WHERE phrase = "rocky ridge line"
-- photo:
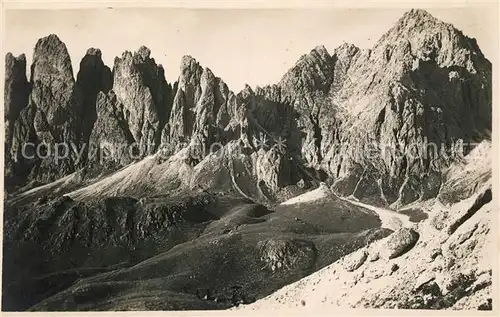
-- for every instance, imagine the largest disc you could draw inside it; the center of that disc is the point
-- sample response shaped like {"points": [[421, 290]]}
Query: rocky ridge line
{"points": [[423, 81]]}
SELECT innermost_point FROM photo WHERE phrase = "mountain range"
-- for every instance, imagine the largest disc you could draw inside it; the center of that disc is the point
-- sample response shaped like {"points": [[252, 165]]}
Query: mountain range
{"points": [[157, 173]]}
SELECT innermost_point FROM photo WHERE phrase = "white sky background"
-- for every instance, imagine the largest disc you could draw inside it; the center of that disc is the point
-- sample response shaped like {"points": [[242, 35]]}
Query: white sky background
{"points": [[241, 46]]}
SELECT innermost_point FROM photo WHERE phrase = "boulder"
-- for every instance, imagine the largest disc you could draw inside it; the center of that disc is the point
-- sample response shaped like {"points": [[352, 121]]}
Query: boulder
{"points": [[398, 243], [354, 260]]}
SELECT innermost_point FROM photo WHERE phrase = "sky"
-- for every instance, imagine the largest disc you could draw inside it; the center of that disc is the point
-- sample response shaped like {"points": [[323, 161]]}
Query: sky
{"points": [[250, 46]]}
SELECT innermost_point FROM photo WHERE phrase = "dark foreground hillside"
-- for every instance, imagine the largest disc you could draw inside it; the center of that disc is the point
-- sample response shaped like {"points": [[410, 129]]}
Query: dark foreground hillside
{"points": [[201, 252]]}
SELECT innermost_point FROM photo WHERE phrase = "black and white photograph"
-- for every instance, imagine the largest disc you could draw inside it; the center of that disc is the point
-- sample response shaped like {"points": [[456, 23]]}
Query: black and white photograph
{"points": [[250, 160]]}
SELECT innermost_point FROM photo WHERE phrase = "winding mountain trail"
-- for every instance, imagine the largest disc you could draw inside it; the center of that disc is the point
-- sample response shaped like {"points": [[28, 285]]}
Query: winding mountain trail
{"points": [[386, 215], [389, 218]]}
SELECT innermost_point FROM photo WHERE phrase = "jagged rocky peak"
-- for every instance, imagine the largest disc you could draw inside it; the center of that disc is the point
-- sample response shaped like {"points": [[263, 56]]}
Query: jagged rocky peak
{"points": [[143, 52], [13, 63], [94, 71], [345, 49], [10, 58], [51, 57], [417, 21], [392, 101], [318, 52], [203, 108], [313, 71], [140, 87], [179, 129], [321, 52], [247, 90], [189, 79], [207, 77], [92, 59], [422, 36], [345, 53], [52, 70], [188, 62], [53, 111], [246, 97], [94, 51], [422, 83], [417, 16], [423, 80]]}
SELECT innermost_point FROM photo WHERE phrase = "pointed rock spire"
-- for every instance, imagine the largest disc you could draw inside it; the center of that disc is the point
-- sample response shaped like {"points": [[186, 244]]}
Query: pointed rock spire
{"points": [[52, 115], [93, 77]]}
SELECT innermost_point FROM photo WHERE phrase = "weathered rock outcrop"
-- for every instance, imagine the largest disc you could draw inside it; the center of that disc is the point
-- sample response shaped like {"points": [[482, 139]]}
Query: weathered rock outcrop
{"points": [[398, 243]]}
